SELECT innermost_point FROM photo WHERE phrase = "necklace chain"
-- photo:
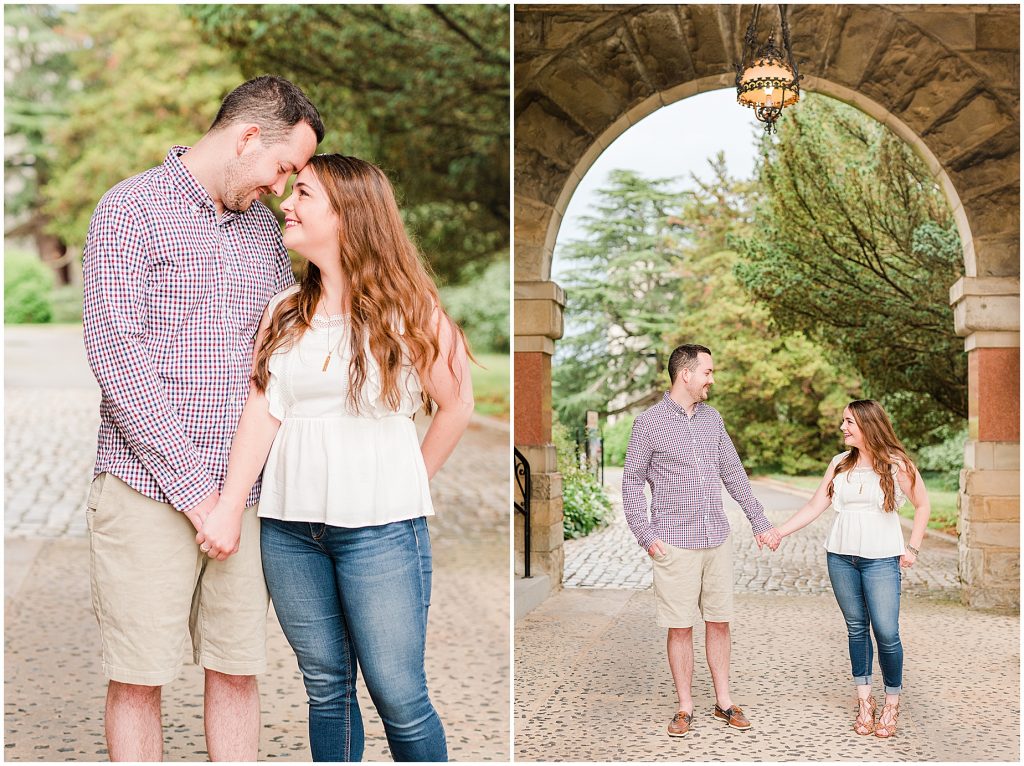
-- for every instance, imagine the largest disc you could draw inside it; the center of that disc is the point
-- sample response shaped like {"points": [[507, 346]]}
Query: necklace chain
{"points": [[330, 348], [327, 359]]}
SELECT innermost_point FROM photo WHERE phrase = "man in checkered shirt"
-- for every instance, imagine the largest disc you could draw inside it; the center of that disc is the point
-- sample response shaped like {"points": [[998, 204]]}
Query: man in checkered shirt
{"points": [[681, 449], [179, 264]]}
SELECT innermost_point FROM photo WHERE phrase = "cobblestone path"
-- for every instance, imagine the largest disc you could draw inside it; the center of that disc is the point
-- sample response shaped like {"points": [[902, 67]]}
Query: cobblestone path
{"points": [[54, 690], [611, 557]]}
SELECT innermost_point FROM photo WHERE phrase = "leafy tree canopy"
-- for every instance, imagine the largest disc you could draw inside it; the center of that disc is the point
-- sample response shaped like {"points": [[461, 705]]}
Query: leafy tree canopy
{"points": [[422, 90], [854, 245], [143, 82]]}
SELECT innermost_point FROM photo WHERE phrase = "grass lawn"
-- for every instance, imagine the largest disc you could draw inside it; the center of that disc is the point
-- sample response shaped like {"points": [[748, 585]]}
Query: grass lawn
{"points": [[944, 511], [491, 385]]}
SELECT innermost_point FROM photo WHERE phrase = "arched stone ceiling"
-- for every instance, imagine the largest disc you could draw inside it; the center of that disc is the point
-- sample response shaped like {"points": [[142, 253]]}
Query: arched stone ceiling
{"points": [[946, 77]]}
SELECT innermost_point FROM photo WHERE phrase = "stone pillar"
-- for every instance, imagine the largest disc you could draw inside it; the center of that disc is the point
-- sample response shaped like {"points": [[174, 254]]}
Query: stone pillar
{"points": [[986, 313], [538, 324]]}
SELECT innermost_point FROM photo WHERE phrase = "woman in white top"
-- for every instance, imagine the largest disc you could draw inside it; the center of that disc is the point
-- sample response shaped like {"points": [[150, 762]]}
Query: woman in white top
{"points": [[343, 362], [867, 485]]}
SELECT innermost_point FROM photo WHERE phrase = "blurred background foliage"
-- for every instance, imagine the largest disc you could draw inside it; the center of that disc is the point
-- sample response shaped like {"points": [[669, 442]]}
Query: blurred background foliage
{"points": [[98, 93]]}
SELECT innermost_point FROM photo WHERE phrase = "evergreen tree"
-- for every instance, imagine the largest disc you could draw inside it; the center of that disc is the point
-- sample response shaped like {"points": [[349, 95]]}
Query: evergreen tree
{"points": [[854, 245], [622, 296]]}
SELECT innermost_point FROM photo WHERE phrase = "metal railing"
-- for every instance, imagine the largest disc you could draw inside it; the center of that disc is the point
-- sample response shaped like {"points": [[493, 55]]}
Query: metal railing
{"points": [[525, 487]]}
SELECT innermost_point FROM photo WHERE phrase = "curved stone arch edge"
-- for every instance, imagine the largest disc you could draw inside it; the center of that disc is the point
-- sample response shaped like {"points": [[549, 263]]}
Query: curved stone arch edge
{"points": [[721, 81]]}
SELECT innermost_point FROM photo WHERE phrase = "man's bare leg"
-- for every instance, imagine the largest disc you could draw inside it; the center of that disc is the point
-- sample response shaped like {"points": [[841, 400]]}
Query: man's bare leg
{"points": [[718, 646], [232, 713], [132, 723], [680, 662]]}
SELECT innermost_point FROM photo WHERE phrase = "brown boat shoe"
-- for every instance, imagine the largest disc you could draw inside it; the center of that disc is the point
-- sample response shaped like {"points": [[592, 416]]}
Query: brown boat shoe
{"points": [[732, 717], [680, 724]]}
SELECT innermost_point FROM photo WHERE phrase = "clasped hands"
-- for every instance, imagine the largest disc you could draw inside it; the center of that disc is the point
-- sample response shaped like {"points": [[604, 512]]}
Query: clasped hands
{"points": [[218, 527], [770, 537]]}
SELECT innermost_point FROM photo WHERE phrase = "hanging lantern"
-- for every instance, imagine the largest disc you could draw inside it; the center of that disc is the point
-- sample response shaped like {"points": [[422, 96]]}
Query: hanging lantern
{"points": [[767, 80]]}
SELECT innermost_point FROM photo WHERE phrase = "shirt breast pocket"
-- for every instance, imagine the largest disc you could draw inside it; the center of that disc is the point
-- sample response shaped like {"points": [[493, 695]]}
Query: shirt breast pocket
{"points": [[178, 283]]}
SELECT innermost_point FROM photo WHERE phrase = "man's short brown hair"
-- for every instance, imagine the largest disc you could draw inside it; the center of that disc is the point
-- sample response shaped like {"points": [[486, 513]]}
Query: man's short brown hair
{"points": [[684, 356], [273, 103]]}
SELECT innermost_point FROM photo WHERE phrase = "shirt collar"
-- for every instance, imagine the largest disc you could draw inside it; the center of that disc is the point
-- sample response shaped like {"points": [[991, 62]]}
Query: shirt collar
{"points": [[187, 184], [669, 402]]}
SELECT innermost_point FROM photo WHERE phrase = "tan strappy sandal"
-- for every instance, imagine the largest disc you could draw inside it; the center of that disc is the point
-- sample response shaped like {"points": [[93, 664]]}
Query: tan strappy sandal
{"points": [[860, 725], [887, 727]]}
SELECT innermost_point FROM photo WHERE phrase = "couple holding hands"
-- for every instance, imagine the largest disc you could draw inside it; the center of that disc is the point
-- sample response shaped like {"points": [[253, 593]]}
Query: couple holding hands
{"points": [[681, 449], [215, 368]]}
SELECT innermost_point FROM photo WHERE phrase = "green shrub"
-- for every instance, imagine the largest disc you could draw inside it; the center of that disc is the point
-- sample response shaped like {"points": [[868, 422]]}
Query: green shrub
{"points": [[942, 462], [616, 439], [481, 307], [946, 456], [585, 506], [67, 303], [27, 287]]}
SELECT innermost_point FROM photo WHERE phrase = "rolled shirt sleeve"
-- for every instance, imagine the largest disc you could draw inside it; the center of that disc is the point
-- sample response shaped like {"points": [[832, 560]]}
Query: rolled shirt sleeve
{"points": [[634, 477], [114, 275]]}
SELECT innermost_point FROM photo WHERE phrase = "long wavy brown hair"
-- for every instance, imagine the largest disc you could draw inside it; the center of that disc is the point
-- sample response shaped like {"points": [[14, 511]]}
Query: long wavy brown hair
{"points": [[883, 447], [394, 301]]}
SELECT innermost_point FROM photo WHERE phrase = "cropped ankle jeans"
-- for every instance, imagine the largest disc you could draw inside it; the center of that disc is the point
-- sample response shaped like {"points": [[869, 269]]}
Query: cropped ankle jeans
{"points": [[351, 598], [868, 592]]}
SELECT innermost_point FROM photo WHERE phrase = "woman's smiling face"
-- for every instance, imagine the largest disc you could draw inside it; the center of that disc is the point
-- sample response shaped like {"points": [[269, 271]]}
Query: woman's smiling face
{"points": [[310, 223], [852, 435]]}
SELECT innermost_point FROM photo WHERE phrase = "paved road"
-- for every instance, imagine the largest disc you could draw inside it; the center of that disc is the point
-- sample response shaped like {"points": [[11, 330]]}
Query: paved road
{"points": [[611, 557], [53, 688]]}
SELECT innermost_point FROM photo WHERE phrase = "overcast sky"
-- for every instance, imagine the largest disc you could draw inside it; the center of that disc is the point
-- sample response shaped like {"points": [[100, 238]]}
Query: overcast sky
{"points": [[673, 141]]}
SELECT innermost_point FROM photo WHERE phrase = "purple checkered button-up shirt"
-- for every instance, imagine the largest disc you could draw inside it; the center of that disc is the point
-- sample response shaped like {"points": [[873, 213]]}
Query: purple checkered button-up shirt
{"points": [[685, 460], [173, 297]]}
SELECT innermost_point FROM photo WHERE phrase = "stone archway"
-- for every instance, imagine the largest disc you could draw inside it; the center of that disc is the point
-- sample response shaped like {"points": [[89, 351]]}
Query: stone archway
{"points": [[944, 78]]}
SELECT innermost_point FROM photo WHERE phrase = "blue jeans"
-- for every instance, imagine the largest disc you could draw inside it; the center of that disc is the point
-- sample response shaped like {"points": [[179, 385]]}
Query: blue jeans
{"points": [[868, 592], [348, 597]]}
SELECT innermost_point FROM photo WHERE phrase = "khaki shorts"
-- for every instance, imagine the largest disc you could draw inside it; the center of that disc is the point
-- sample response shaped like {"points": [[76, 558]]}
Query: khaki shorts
{"points": [[152, 587], [691, 584]]}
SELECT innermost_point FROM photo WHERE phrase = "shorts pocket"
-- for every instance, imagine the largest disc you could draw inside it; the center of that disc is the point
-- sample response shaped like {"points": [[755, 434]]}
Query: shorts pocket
{"points": [[92, 504]]}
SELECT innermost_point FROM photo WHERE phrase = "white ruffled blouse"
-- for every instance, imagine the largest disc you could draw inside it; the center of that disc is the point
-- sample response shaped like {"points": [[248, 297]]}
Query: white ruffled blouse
{"points": [[862, 526], [330, 464]]}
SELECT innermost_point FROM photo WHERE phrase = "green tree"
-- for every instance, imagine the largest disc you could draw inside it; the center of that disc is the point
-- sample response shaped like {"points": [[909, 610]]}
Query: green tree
{"points": [[147, 83], [780, 397], [655, 271], [422, 90], [37, 85], [854, 245], [622, 297]]}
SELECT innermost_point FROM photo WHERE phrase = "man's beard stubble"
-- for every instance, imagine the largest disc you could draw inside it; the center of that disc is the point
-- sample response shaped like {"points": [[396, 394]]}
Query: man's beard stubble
{"points": [[238, 185]]}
